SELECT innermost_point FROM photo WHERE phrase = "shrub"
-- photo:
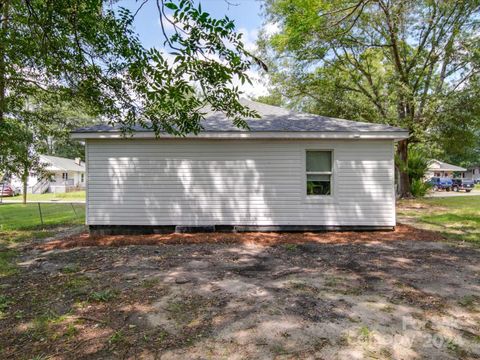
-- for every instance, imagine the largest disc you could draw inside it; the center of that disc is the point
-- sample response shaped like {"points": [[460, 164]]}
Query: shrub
{"points": [[419, 188], [417, 164]]}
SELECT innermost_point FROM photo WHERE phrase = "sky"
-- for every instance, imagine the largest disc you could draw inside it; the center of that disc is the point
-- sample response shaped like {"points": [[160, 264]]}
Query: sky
{"points": [[245, 13]]}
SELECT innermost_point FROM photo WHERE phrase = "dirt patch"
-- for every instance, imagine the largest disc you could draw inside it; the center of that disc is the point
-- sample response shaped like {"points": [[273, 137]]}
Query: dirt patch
{"points": [[414, 204], [318, 310], [243, 296], [401, 232]]}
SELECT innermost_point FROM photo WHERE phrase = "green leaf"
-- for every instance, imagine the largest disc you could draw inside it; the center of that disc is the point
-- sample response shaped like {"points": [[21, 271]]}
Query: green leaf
{"points": [[171, 6]]}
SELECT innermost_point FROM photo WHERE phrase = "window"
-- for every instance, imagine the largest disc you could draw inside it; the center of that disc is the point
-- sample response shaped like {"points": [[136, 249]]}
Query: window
{"points": [[82, 177], [65, 176], [319, 172]]}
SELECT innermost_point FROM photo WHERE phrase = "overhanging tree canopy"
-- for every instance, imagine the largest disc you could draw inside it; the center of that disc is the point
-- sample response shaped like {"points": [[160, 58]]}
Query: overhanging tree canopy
{"points": [[89, 50], [392, 61], [86, 52]]}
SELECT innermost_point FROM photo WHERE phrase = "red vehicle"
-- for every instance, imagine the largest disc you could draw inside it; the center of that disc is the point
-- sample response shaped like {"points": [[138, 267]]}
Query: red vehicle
{"points": [[7, 190]]}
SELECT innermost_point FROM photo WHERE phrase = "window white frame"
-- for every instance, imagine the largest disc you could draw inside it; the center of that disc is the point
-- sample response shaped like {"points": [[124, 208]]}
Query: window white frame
{"points": [[319, 198]]}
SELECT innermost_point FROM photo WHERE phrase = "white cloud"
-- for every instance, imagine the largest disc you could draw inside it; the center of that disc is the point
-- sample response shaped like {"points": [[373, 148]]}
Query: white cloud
{"points": [[271, 28], [249, 38], [258, 87], [168, 24]]}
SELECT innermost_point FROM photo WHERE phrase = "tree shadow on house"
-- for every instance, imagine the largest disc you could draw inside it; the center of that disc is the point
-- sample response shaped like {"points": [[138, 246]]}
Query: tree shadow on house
{"points": [[227, 182]]}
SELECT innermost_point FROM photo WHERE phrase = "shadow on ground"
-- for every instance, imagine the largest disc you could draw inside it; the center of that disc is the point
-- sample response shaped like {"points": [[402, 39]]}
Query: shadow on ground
{"points": [[396, 299]]}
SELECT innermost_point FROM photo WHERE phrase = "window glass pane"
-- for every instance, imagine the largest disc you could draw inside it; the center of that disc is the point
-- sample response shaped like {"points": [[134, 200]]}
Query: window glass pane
{"points": [[318, 185], [319, 161]]}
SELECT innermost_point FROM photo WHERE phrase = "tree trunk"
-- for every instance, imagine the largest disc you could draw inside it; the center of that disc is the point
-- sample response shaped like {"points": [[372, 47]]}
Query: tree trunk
{"points": [[1, 194], [3, 32], [24, 183], [404, 190]]}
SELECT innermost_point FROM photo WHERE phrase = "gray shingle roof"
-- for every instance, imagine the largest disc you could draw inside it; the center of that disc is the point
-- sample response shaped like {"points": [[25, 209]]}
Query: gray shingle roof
{"points": [[273, 119], [56, 163], [443, 166]]}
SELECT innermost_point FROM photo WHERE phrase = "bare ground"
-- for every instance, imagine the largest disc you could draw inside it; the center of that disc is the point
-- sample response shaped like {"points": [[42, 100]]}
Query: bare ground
{"points": [[244, 296]]}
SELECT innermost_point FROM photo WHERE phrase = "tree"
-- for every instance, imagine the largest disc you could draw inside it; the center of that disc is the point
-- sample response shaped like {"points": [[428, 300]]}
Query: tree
{"points": [[42, 127], [85, 51], [274, 99], [457, 135], [18, 159], [386, 61], [57, 119]]}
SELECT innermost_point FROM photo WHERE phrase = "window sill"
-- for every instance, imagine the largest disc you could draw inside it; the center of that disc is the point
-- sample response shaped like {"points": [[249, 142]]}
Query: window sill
{"points": [[315, 199]]}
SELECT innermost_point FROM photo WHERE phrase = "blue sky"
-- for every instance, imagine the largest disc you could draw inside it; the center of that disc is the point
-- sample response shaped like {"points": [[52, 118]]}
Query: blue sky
{"points": [[245, 13]]}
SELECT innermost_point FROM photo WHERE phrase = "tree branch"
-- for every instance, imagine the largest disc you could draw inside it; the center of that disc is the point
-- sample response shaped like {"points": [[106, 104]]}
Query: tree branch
{"points": [[139, 8], [392, 33], [375, 97], [161, 13]]}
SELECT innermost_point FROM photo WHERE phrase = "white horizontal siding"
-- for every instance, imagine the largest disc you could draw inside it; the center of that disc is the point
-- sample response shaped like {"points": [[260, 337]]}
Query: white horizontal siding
{"points": [[235, 182]]}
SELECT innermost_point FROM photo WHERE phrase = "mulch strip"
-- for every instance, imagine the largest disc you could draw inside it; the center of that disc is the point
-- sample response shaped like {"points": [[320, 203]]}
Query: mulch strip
{"points": [[401, 232]]}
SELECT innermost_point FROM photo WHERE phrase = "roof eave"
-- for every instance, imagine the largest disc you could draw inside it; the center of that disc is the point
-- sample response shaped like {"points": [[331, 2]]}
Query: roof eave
{"points": [[390, 135], [449, 169]]}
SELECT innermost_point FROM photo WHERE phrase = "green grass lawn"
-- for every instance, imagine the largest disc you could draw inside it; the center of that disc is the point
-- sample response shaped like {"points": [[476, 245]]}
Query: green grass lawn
{"points": [[456, 217], [19, 222], [30, 216], [70, 196]]}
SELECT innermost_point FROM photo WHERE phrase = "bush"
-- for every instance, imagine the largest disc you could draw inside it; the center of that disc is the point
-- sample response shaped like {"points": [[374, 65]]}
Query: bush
{"points": [[419, 188], [416, 167], [417, 164]]}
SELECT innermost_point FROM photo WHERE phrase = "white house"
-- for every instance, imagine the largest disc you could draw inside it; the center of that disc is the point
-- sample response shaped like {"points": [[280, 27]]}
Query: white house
{"points": [[60, 175], [442, 169], [290, 171], [473, 173]]}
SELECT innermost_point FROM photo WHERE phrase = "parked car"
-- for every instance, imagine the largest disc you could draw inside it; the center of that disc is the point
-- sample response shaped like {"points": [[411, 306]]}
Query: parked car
{"points": [[462, 185], [8, 190], [441, 183]]}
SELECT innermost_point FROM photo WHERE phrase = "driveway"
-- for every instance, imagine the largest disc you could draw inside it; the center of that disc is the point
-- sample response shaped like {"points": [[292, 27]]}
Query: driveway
{"points": [[439, 194], [337, 300]]}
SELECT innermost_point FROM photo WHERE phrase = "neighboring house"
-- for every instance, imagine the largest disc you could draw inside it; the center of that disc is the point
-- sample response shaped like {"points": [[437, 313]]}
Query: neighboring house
{"points": [[290, 171], [439, 168], [473, 173], [60, 175]]}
